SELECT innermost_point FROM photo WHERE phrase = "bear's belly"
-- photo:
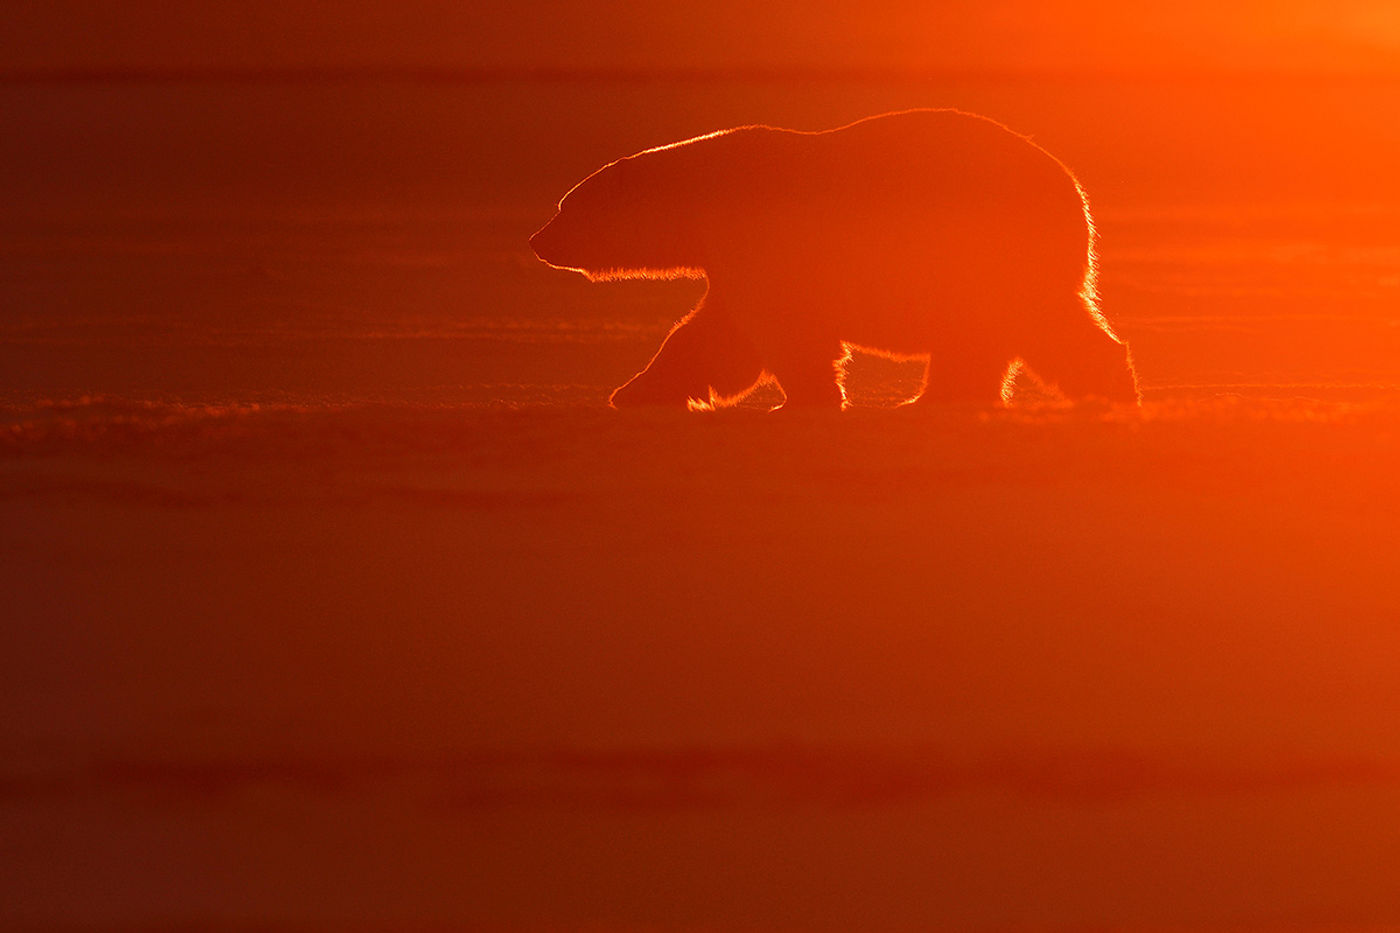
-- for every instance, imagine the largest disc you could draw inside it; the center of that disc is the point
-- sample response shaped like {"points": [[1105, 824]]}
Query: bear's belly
{"points": [[908, 331], [906, 312]]}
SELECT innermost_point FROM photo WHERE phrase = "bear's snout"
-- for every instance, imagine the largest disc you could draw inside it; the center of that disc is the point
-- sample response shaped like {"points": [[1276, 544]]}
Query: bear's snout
{"points": [[542, 242]]}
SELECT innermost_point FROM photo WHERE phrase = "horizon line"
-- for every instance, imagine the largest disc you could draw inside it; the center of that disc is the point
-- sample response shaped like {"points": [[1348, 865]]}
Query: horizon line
{"points": [[454, 74]]}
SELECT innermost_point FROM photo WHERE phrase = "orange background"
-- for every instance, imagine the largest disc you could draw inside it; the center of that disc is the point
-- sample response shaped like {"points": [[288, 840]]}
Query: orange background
{"points": [[1089, 35], [335, 599]]}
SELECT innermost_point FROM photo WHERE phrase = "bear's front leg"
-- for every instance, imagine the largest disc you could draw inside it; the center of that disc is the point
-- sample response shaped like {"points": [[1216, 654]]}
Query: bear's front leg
{"points": [[705, 356], [808, 373]]}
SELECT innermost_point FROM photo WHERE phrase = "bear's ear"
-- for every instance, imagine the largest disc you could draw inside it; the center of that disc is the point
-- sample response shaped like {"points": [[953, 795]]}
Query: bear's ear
{"points": [[600, 189], [620, 171]]}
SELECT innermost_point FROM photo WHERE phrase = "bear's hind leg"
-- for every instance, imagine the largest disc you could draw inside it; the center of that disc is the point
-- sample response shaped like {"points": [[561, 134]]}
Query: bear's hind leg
{"points": [[964, 376], [1085, 362], [705, 355]]}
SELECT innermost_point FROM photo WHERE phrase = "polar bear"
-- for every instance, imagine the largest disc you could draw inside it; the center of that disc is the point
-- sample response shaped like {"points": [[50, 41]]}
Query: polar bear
{"points": [[934, 233]]}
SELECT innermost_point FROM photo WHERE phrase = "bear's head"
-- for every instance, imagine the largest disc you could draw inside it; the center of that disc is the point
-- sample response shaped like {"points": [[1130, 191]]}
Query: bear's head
{"points": [[623, 222]]}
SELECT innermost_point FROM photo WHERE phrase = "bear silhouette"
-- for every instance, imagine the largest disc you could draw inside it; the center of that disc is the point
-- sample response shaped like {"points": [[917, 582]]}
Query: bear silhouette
{"points": [[932, 233]]}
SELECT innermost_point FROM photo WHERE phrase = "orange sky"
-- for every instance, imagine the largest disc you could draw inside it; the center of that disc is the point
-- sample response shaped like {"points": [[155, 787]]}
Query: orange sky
{"points": [[644, 34]]}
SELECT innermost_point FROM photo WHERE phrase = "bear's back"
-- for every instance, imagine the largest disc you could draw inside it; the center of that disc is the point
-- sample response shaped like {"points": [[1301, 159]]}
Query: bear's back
{"points": [[933, 152], [941, 190]]}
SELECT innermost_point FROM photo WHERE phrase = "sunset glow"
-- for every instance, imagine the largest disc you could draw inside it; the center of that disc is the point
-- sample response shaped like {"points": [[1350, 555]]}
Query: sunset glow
{"points": [[817, 519]]}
